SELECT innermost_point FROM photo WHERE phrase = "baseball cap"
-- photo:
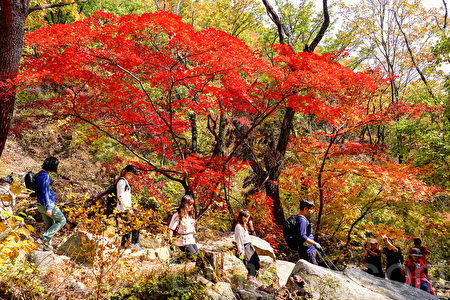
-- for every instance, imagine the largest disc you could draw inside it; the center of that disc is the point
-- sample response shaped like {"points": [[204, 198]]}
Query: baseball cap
{"points": [[416, 252]]}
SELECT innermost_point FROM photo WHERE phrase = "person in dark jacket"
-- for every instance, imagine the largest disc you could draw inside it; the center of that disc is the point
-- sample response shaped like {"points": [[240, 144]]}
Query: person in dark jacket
{"points": [[394, 260], [372, 257], [53, 217], [308, 246]]}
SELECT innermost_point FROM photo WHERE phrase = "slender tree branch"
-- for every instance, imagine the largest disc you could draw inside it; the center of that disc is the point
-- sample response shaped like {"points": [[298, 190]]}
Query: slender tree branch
{"points": [[48, 6]]}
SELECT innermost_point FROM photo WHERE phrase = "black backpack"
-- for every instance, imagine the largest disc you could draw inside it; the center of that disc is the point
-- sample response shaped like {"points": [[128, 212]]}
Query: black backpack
{"points": [[290, 233], [30, 183], [111, 198]]}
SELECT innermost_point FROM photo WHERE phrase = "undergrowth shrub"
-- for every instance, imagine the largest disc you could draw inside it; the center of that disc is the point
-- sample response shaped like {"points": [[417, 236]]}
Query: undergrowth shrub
{"points": [[164, 286]]}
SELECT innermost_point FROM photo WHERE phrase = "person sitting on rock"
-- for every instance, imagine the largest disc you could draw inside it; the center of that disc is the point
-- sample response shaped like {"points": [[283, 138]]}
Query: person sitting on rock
{"points": [[182, 225], [245, 250], [394, 260], [415, 271], [372, 257]]}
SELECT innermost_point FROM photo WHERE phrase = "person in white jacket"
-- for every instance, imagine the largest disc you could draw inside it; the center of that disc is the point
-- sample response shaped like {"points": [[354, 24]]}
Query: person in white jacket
{"points": [[245, 250], [124, 207]]}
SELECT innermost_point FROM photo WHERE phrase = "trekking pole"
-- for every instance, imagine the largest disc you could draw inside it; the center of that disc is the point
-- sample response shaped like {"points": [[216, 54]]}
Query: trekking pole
{"points": [[323, 260], [329, 260]]}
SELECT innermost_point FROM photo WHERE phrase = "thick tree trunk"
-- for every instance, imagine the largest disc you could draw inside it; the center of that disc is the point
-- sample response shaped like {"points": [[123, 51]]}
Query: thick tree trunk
{"points": [[13, 14]]}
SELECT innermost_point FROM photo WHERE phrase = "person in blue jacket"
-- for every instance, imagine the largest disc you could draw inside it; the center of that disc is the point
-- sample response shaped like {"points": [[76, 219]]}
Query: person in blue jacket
{"points": [[307, 248], [53, 217]]}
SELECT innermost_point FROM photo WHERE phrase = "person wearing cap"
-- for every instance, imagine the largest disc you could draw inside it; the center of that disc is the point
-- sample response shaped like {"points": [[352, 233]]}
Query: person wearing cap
{"points": [[182, 228], [53, 217], [415, 271], [424, 250], [308, 246], [372, 257], [124, 207]]}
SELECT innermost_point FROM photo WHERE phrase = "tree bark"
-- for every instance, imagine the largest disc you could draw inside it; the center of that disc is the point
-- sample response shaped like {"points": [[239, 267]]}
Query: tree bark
{"points": [[13, 14]]}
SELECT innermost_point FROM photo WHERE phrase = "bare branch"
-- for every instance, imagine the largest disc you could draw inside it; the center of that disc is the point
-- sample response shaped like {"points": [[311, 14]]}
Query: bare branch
{"points": [[408, 46], [323, 29], [47, 6], [274, 17]]}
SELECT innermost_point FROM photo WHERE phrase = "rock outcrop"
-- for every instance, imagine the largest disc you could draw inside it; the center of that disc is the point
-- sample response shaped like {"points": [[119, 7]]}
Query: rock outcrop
{"points": [[322, 283]]}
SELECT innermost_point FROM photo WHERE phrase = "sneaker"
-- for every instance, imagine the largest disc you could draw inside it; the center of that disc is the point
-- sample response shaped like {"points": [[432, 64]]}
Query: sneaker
{"points": [[136, 247], [252, 281], [45, 245]]}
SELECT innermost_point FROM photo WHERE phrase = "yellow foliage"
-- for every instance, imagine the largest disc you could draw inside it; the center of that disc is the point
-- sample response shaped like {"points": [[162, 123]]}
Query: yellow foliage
{"points": [[6, 198], [16, 189]]}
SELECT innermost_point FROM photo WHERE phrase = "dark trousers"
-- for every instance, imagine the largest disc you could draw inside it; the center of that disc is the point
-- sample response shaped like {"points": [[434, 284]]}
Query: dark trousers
{"points": [[309, 257], [252, 264], [130, 232]]}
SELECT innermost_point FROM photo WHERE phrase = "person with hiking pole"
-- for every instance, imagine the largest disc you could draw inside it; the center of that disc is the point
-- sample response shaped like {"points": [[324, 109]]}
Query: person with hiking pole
{"points": [[307, 246], [124, 208], [245, 250], [53, 217]]}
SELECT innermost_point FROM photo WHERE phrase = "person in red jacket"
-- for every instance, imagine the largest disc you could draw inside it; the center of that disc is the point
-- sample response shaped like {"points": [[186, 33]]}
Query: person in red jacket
{"points": [[424, 250], [415, 271]]}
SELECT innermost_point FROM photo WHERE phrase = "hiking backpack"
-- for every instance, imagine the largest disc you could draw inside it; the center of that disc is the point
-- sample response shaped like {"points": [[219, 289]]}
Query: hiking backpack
{"points": [[111, 198], [290, 233], [30, 183]]}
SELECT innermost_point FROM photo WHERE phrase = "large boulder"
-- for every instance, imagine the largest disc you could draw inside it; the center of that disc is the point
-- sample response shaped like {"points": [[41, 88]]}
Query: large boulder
{"points": [[44, 260], [322, 283], [284, 270], [83, 246], [149, 240], [262, 247], [245, 294]]}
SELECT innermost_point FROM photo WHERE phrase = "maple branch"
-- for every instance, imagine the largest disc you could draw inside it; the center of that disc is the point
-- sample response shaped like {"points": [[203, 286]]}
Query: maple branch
{"points": [[48, 6], [155, 168]]}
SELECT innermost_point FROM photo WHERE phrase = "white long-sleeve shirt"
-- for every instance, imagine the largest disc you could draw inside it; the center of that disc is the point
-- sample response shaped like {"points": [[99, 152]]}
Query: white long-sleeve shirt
{"points": [[123, 195], [242, 237]]}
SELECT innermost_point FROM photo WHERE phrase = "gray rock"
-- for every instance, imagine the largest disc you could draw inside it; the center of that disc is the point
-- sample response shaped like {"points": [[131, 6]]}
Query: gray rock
{"points": [[224, 290], [149, 240], [284, 270], [233, 265], [324, 283], [262, 247], [46, 259], [390, 289], [254, 295], [83, 246]]}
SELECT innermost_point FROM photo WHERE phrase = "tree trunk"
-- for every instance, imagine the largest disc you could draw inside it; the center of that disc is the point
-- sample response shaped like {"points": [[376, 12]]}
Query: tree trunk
{"points": [[13, 14]]}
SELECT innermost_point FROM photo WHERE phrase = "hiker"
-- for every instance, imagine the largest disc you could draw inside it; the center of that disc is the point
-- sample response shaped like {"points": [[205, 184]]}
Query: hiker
{"points": [[53, 217], [372, 258], [124, 210], [245, 250], [424, 251], [182, 228], [394, 260], [307, 245], [415, 271]]}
